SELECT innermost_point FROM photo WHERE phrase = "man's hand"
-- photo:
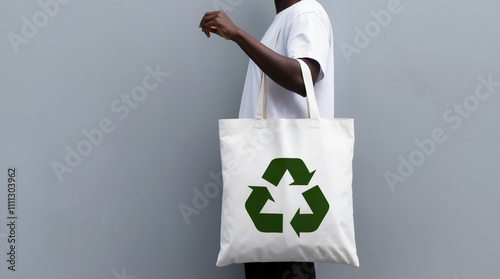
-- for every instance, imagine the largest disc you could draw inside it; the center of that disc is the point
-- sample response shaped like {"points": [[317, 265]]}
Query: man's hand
{"points": [[219, 23]]}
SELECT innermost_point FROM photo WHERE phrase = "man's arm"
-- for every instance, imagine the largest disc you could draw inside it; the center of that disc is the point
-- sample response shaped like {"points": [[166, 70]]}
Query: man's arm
{"points": [[283, 70]]}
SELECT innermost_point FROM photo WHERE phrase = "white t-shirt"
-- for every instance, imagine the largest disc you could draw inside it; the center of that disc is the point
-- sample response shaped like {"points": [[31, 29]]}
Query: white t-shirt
{"points": [[306, 33]]}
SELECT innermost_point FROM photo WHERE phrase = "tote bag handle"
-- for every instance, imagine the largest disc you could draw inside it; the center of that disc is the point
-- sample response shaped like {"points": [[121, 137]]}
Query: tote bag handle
{"points": [[312, 106]]}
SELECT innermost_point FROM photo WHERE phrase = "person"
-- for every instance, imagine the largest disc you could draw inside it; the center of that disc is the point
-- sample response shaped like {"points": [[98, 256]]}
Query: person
{"points": [[305, 32]]}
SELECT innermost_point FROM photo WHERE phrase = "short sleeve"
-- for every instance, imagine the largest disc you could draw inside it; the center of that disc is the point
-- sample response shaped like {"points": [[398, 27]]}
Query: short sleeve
{"points": [[309, 37]]}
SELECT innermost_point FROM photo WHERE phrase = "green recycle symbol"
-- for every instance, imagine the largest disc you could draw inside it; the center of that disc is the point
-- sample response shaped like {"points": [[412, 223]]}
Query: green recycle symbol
{"points": [[273, 222]]}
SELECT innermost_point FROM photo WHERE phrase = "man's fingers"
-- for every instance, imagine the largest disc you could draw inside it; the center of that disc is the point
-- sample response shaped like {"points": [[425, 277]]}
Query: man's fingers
{"points": [[215, 22], [207, 17], [213, 29], [209, 26], [208, 21]]}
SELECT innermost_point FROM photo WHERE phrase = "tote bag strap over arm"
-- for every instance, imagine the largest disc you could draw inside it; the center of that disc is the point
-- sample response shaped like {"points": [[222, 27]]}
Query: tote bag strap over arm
{"points": [[312, 106]]}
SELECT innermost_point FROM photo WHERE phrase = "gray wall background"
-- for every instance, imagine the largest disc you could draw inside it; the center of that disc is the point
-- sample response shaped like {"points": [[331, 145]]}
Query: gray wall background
{"points": [[116, 214]]}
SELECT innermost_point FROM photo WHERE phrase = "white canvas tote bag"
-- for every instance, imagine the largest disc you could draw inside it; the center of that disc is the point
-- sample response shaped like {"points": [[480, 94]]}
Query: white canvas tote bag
{"points": [[290, 199], [287, 186]]}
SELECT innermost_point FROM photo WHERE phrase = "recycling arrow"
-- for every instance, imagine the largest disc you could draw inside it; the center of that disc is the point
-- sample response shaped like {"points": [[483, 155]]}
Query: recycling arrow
{"points": [[273, 222], [302, 223], [264, 222], [296, 167]]}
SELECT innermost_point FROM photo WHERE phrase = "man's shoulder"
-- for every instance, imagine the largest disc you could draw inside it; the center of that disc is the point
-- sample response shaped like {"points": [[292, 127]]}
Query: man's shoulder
{"points": [[307, 8]]}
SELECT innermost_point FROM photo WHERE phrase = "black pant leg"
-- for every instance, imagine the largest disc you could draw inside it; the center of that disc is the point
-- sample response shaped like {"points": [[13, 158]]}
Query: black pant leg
{"points": [[280, 270]]}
